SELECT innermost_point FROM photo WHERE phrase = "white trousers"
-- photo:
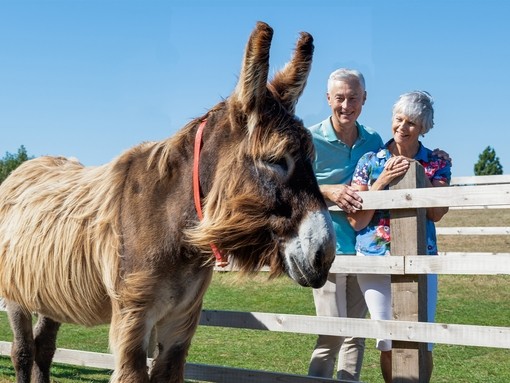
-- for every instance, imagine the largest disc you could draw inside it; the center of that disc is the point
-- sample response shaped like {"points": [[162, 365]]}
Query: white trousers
{"points": [[376, 289]]}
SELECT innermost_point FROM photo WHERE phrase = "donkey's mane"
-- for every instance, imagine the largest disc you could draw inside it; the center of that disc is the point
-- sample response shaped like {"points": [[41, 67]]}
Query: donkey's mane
{"points": [[234, 219], [165, 153]]}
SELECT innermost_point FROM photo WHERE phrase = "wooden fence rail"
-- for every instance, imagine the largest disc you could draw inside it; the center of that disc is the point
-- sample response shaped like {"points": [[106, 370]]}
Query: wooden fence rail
{"points": [[494, 192]]}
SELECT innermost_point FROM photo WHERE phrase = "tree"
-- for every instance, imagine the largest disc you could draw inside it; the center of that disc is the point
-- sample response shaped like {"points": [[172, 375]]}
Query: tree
{"points": [[12, 161], [488, 164]]}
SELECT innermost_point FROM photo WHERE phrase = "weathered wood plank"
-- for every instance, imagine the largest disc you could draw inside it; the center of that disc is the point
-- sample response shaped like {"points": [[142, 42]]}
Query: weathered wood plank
{"points": [[209, 373], [446, 263], [481, 180], [353, 264], [203, 372], [409, 292], [474, 264], [457, 196], [473, 230], [467, 335]]}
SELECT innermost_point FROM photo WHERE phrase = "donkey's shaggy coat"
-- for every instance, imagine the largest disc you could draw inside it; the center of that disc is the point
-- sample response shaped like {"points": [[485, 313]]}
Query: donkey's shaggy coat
{"points": [[122, 243]]}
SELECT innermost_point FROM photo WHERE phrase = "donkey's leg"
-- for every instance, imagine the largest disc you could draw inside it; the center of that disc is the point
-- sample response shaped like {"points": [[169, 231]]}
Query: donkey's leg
{"points": [[174, 340], [23, 348], [129, 341], [45, 338], [130, 351], [169, 366]]}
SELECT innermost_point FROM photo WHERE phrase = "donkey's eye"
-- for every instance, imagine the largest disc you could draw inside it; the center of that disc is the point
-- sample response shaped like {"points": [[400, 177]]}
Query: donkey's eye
{"points": [[281, 163], [283, 166]]}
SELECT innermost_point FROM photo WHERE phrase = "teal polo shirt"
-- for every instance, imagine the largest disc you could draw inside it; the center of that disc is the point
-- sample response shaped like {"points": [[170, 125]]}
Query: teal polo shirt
{"points": [[334, 164]]}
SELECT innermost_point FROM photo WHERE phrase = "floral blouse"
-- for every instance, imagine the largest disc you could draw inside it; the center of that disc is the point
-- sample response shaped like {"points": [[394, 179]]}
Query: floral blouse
{"points": [[375, 238]]}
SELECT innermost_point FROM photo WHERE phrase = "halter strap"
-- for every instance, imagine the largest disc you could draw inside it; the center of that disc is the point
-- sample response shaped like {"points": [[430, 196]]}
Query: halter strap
{"points": [[221, 261]]}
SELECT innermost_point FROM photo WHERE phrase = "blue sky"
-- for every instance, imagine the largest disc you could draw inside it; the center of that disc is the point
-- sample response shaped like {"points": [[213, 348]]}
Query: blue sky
{"points": [[90, 79]]}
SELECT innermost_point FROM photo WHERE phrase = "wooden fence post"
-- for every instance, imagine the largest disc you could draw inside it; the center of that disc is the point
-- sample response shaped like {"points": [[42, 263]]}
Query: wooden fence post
{"points": [[409, 292]]}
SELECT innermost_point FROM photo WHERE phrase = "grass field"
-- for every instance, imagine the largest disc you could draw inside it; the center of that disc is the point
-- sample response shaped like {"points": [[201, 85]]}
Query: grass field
{"points": [[478, 300]]}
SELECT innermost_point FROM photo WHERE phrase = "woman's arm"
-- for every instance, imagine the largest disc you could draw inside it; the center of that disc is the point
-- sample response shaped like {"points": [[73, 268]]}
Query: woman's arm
{"points": [[395, 167], [436, 213], [360, 218]]}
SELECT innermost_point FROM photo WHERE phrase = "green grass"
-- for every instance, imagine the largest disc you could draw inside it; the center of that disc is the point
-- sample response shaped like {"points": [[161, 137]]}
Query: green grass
{"points": [[478, 300], [463, 299]]}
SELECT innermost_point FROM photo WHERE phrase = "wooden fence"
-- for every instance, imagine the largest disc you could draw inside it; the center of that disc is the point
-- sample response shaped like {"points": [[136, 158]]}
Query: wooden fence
{"points": [[485, 192]]}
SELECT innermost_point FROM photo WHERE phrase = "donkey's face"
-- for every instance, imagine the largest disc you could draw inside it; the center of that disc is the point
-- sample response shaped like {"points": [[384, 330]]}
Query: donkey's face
{"points": [[263, 204]]}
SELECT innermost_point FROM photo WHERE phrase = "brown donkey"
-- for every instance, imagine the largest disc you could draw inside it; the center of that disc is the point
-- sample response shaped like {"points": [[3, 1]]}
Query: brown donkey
{"points": [[123, 243]]}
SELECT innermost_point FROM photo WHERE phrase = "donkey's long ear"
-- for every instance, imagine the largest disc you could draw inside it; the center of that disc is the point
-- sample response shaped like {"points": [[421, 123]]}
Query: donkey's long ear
{"points": [[251, 89], [290, 82]]}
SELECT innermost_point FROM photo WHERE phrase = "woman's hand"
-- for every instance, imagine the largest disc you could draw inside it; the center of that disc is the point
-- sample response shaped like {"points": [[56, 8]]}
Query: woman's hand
{"points": [[394, 168]]}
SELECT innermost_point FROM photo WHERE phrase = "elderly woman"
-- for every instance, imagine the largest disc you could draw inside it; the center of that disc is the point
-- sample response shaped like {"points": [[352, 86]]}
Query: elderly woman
{"points": [[413, 117]]}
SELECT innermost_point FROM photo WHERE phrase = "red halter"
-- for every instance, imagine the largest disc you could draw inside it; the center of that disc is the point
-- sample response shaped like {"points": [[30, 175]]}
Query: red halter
{"points": [[221, 261]]}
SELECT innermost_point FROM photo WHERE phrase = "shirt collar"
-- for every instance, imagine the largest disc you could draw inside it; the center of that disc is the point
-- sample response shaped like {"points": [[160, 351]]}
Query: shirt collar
{"points": [[420, 156], [329, 132]]}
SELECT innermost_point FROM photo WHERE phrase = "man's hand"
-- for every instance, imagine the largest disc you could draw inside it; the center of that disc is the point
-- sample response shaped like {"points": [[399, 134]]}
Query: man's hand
{"points": [[442, 154], [344, 196]]}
